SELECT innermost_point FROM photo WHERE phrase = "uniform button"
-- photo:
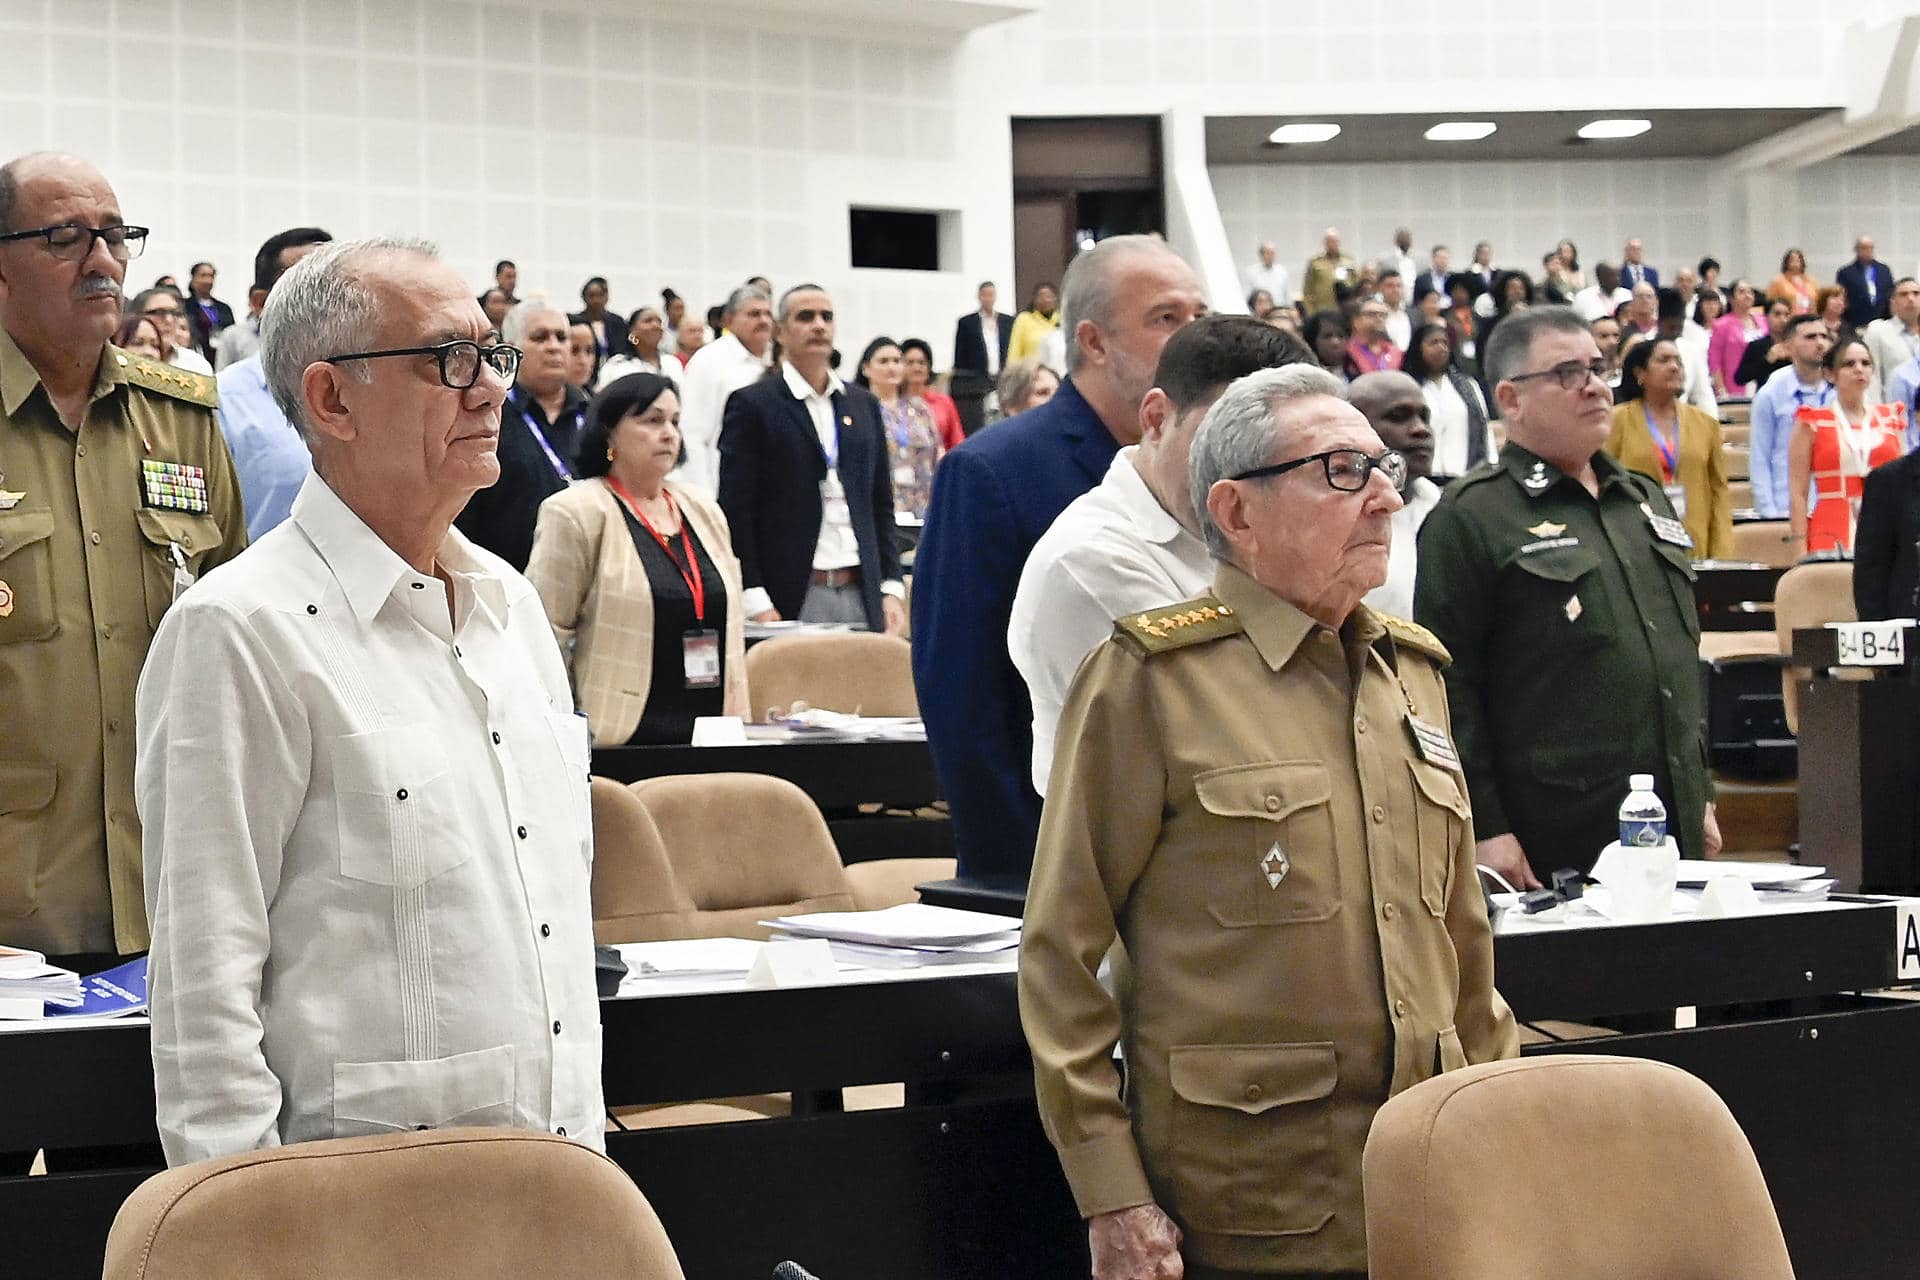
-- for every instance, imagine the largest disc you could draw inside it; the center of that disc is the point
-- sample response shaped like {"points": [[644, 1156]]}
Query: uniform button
{"points": [[312, 609], [1389, 911], [1360, 725], [1650, 625], [496, 739], [521, 832], [401, 794], [546, 931], [556, 1028], [456, 651], [186, 544], [421, 1128], [1253, 1093], [419, 586], [1273, 804], [106, 632], [113, 726], [1399, 1008], [81, 451], [1666, 693], [94, 538], [561, 1131], [1379, 814]]}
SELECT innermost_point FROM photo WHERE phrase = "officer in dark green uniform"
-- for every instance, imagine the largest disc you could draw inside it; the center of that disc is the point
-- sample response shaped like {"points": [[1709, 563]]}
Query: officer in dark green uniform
{"points": [[1560, 582]]}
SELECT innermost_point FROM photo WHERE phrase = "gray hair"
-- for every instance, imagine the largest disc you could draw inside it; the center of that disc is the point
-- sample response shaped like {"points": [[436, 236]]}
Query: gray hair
{"points": [[1242, 431], [1087, 290], [786, 299], [744, 294], [1512, 341], [513, 326], [320, 308]]}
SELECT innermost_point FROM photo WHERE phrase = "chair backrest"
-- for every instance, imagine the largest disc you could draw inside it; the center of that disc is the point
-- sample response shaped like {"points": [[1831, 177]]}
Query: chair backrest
{"points": [[1735, 459], [1574, 1166], [478, 1204], [1737, 433], [1764, 542], [1737, 412], [837, 671], [1739, 496], [745, 847], [1809, 595], [635, 895]]}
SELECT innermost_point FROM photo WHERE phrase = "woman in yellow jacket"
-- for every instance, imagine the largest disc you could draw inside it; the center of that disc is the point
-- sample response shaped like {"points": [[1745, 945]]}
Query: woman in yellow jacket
{"points": [[1030, 327], [1677, 444]]}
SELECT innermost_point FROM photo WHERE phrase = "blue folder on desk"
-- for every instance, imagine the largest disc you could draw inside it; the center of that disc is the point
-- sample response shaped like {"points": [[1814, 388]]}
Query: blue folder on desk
{"points": [[118, 991]]}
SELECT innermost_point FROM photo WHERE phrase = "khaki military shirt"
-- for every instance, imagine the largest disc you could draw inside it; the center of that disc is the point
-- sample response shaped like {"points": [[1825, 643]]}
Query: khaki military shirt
{"points": [[1237, 795], [86, 569], [1318, 291], [1576, 651]]}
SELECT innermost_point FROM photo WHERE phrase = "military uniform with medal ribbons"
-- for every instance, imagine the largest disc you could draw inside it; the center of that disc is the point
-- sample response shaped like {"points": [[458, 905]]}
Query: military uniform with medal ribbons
{"points": [[99, 530], [1575, 642], [1270, 815]]}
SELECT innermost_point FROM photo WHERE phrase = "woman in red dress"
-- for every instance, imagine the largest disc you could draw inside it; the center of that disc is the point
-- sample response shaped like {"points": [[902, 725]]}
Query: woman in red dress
{"points": [[1833, 449]]}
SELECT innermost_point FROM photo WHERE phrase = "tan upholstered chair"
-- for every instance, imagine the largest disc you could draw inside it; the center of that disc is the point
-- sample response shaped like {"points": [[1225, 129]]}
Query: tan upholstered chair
{"points": [[1764, 542], [635, 895], [1741, 434], [1576, 1167], [745, 847], [476, 1204], [1736, 414], [1739, 496], [1809, 595], [1734, 458], [836, 671], [888, 882]]}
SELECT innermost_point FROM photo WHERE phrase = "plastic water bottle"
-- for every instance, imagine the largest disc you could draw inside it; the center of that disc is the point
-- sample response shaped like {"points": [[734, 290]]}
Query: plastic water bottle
{"points": [[1643, 817]]}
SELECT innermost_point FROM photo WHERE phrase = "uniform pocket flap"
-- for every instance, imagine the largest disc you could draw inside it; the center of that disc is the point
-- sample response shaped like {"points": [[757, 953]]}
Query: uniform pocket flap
{"points": [[22, 529], [1442, 786], [1678, 557], [26, 788], [1563, 564], [193, 531], [431, 1093], [1269, 789], [387, 761], [1254, 1077]]}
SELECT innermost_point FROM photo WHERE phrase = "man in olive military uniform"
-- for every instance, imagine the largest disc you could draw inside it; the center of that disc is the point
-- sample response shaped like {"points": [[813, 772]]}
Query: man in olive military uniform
{"points": [[1257, 793], [1560, 582], [116, 490]]}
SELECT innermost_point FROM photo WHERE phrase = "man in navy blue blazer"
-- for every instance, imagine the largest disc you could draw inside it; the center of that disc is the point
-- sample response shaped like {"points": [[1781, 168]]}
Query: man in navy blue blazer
{"points": [[993, 496], [1869, 286], [806, 486], [1634, 269]]}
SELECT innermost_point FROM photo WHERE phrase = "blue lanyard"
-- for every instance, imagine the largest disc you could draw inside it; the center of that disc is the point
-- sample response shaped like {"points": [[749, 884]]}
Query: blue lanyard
{"points": [[1669, 453], [565, 472]]}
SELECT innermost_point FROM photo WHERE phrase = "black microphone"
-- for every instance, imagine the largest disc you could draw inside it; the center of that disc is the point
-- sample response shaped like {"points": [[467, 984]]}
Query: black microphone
{"points": [[792, 1271]]}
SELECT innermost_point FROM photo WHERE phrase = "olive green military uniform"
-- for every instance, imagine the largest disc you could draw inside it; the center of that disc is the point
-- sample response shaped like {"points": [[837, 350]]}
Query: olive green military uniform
{"points": [[1575, 645], [1239, 796], [87, 566], [1319, 287]]}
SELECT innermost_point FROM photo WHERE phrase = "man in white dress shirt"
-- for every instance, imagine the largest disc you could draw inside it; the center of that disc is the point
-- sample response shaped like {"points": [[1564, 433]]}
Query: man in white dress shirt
{"points": [[1895, 340], [368, 845], [1267, 273], [715, 372], [1397, 408], [1132, 542]]}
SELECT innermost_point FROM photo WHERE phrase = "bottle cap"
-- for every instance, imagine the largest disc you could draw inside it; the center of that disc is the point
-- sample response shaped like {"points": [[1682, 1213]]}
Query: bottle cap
{"points": [[1640, 782]]}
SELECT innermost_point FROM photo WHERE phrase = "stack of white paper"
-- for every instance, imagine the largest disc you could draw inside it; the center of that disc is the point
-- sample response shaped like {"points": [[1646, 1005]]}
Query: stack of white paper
{"points": [[28, 984], [690, 958], [1765, 877], [910, 934]]}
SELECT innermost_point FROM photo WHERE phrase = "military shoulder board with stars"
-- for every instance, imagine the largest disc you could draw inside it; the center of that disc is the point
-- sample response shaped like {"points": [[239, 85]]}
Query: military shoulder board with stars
{"points": [[174, 486]]}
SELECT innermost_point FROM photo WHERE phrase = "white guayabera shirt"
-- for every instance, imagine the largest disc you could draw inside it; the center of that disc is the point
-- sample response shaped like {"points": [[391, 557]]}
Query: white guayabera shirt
{"points": [[368, 849]]}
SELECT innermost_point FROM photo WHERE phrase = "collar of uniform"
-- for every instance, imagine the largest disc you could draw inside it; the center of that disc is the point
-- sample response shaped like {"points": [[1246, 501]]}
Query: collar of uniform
{"points": [[18, 377], [1155, 523], [367, 569], [799, 387], [1520, 461], [1276, 628]]}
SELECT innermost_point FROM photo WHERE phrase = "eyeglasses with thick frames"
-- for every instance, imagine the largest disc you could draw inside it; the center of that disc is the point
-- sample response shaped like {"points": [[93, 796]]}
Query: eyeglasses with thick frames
{"points": [[1348, 470], [1572, 375], [459, 360], [75, 243]]}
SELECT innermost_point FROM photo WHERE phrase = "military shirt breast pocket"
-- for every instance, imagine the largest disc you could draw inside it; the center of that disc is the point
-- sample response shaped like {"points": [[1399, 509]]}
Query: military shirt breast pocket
{"points": [[1442, 809], [1270, 857], [26, 576], [1680, 574], [1563, 588], [195, 533], [396, 811]]}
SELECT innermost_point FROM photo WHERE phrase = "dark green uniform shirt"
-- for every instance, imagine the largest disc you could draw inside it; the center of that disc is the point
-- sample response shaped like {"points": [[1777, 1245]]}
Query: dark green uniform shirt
{"points": [[89, 525], [1575, 644]]}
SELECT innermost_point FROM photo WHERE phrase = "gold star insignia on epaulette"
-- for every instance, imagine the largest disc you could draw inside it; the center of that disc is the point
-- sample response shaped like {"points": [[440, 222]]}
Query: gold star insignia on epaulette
{"points": [[1547, 529], [1161, 628]]}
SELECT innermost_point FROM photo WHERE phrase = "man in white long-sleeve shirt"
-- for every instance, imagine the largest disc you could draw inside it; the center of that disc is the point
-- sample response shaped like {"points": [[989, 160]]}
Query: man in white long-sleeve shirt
{"points": [[368, 844], [715, 372], [1131, 543]]}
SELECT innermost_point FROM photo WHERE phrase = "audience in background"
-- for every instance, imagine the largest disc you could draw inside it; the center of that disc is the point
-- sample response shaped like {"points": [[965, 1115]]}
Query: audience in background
{"points": [[1767, 354], [1634, 269], [1801, 384], [1793, 283], [609, 334], [207, 316], [913, 441], [1325, 334], [1328, 274], [916, 371], [1834, 446], [1603, 295], [737, 359], [1459, 438], [1830, 304], [1710, 279], [684, 342], [169, 316], [242, 338], [1886, 541], [1744, 324], [1031, 326], [1395, 407], [1675, 443], [140, 336], [1393, 296], [1895, 340], [1266, 275], [639, 579], [674, 308], [646, 330], [583, 356], [1024, 385], [1369, 349], [1606, 336], [495, 304], [1868, 284]]}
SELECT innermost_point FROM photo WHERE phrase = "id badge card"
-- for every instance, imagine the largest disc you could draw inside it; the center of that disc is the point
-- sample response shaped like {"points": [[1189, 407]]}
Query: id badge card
{"points": [[700, 655], [1677, 495]]}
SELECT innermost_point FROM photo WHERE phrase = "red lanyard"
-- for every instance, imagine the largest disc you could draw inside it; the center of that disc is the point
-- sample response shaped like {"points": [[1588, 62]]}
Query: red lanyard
{"points": [[690, 574], [1669, 451]]}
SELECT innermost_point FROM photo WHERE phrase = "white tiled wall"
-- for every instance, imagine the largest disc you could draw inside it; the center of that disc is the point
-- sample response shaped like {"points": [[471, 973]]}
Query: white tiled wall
{"points": [[589, 140]]}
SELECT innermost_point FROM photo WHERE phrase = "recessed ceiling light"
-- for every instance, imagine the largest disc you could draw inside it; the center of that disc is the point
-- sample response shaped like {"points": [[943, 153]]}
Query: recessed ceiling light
{"points": [[1287, 134], [1598, 130], [1460, 130]]}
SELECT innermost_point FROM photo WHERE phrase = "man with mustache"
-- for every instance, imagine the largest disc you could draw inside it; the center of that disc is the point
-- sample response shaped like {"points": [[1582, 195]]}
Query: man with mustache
{"points": [[364, 784], [116, 490]]}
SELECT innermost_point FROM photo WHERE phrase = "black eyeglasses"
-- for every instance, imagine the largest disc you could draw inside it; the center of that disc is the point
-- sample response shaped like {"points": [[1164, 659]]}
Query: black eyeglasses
{"points": [[75, 243], [1348, 470], [460, 360], [1571, 376]]}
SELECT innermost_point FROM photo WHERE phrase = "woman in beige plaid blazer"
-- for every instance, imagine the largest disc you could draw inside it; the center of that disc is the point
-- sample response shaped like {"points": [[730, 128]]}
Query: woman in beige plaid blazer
{"points": [[587, 566]]}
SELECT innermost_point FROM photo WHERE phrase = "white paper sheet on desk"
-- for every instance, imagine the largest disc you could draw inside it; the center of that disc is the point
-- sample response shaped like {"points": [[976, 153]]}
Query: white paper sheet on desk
{"points": [[690, 958], [1761, 875], [911, 924], [863, 956], [26, 975]]}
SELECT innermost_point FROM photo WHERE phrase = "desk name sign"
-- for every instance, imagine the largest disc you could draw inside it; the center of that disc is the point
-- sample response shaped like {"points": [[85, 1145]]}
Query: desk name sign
{"points": [[1871, 644], [1906, 940]]}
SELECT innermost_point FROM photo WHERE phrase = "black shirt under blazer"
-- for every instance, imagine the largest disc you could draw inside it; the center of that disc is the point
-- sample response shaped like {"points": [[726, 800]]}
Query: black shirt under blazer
{"points": [[1886, 542], [771, 466], [969, 344]]}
